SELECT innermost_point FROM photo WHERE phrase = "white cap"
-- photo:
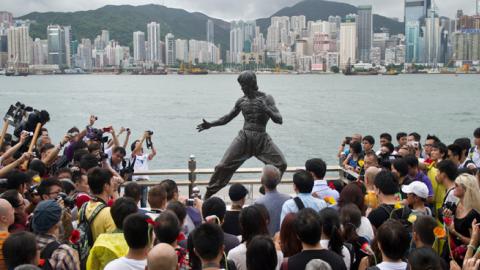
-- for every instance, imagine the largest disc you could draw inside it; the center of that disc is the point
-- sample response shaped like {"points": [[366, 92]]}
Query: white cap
{"points": [[416, 187]]}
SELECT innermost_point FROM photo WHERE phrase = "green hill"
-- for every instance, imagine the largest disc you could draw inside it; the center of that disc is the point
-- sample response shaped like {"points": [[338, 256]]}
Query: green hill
{"points": [[123, 20]]}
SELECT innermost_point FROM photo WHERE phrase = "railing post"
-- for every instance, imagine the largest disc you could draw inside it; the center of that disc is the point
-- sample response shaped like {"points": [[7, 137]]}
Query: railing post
{"points": [[192, 176]]}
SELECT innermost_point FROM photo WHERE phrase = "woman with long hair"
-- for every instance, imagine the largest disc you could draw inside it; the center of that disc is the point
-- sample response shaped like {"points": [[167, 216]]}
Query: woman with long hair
{"points": [[287, 239], [468, 208], [350, 217], [352, 193], [261, 253], [253, 222], [331, 235]]}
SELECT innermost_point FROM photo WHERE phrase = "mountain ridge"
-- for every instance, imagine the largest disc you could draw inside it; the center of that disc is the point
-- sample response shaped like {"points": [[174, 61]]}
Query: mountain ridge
{"points": [[123, 20]]}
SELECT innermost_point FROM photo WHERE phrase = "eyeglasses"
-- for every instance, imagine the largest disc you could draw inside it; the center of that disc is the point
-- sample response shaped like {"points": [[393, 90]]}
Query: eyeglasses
{"points": [[428, 145]]}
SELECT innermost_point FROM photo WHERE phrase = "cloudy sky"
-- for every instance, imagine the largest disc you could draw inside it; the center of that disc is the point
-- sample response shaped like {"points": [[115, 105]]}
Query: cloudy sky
{"points": [[224, 9]]}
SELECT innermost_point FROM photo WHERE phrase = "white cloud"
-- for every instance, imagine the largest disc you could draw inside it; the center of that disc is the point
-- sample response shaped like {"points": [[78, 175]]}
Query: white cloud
{"points": [[224, 9]]}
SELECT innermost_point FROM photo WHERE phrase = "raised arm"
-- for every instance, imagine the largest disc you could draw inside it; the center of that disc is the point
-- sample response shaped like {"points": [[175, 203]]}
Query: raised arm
{"points": [[222, 120], [139, 146], [14, 149], [127, 137], [25, 157], [272, 110]]}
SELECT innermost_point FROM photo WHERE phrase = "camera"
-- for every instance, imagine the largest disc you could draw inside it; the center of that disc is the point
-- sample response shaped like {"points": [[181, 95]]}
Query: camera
{"points": [[150, 133], [348, 140], [72, 134], [68, 201], [96, 134], [102, 157], [190, 202], [450, 206]]}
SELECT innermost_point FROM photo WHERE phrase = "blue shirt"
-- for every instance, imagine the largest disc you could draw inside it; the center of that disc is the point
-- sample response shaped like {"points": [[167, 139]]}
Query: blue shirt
{"points": [[308, 201], [321, 188], [273, 201]]}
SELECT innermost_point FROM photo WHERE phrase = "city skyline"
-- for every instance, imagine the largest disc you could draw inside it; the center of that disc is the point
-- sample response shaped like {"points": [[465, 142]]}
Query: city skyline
{"points": [[295, 42], [226, 10]]}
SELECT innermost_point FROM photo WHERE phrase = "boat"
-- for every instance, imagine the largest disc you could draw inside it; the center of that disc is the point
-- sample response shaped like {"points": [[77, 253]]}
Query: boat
{"points": [[364, 70], [17, 69], [391, 72], [191, 70]]}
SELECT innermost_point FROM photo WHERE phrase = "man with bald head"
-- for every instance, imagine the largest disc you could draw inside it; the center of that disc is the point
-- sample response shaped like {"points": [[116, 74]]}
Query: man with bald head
{"points": [[162, 257], [273, 200], [6, 219]]}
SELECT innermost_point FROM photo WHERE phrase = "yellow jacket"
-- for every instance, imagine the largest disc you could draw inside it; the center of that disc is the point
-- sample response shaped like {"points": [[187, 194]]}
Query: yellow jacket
{"points": [[107, 247]]}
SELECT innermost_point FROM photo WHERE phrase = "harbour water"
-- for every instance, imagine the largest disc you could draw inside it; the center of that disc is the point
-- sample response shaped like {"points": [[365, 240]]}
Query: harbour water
{"points": [[318, 110]]}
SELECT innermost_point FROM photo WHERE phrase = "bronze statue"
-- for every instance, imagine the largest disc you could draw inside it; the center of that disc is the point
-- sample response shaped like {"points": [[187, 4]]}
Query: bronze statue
{"points": [[257, 108]]}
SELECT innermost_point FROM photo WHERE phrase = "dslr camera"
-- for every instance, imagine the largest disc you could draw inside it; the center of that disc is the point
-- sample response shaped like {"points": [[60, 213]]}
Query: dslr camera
{"points": [[68, 201]]}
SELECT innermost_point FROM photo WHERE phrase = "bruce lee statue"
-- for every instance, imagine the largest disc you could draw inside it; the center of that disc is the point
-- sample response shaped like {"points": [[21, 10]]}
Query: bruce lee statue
{"points": [[257, 108]]}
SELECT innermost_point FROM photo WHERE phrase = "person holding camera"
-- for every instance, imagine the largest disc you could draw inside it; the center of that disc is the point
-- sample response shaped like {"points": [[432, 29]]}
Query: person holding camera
{"points": [[140, 161]]}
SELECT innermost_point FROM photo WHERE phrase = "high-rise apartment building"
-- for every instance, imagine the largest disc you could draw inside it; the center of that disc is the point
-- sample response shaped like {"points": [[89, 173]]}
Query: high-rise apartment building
{"points": [[365, 32], [210, 31], [154, 52], [19, 45], [170, 55], [348, 43], [139, 46], [68, 45]]}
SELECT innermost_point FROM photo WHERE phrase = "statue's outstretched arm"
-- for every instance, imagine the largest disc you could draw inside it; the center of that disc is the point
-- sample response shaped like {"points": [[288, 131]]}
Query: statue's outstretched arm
{"points": [[222, 120], [272, 110], [228, 117]]}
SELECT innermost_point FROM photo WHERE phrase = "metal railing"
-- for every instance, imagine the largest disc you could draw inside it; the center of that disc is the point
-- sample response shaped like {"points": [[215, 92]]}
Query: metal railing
{"points": [[189, 176]]}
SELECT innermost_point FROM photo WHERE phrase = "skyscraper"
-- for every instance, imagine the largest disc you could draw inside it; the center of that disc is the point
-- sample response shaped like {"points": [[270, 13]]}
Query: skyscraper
{"points": [[153, 29], [348, 43], [365, 32], [56, 45], [105, 38], [84, 54], [139, 46], [40, 52], [210, 31], [415, 13], [19, 45], [68, 45], [170, 55]]}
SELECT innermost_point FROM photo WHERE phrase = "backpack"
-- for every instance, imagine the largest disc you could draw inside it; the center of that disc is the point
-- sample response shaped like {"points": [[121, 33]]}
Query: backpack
{"points": [[47, 253], [86, 238], [401, 215]]}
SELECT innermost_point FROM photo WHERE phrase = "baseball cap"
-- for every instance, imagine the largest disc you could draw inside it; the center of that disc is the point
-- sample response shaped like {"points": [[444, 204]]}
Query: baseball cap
{"points": [[418, 188], [46, 215], [237, 192]]}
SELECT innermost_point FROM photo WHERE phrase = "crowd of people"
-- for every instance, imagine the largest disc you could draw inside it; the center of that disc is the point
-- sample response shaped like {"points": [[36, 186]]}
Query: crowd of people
{"points": [[77, 205]]}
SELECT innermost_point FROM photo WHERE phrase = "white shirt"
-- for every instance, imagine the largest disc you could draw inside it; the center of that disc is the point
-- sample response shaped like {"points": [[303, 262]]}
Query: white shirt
{"points": [[126, 264], [109, 153], [141, 165], [392, 266], [239, 256], [475, 156], [365, 229], [345, 253]]}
